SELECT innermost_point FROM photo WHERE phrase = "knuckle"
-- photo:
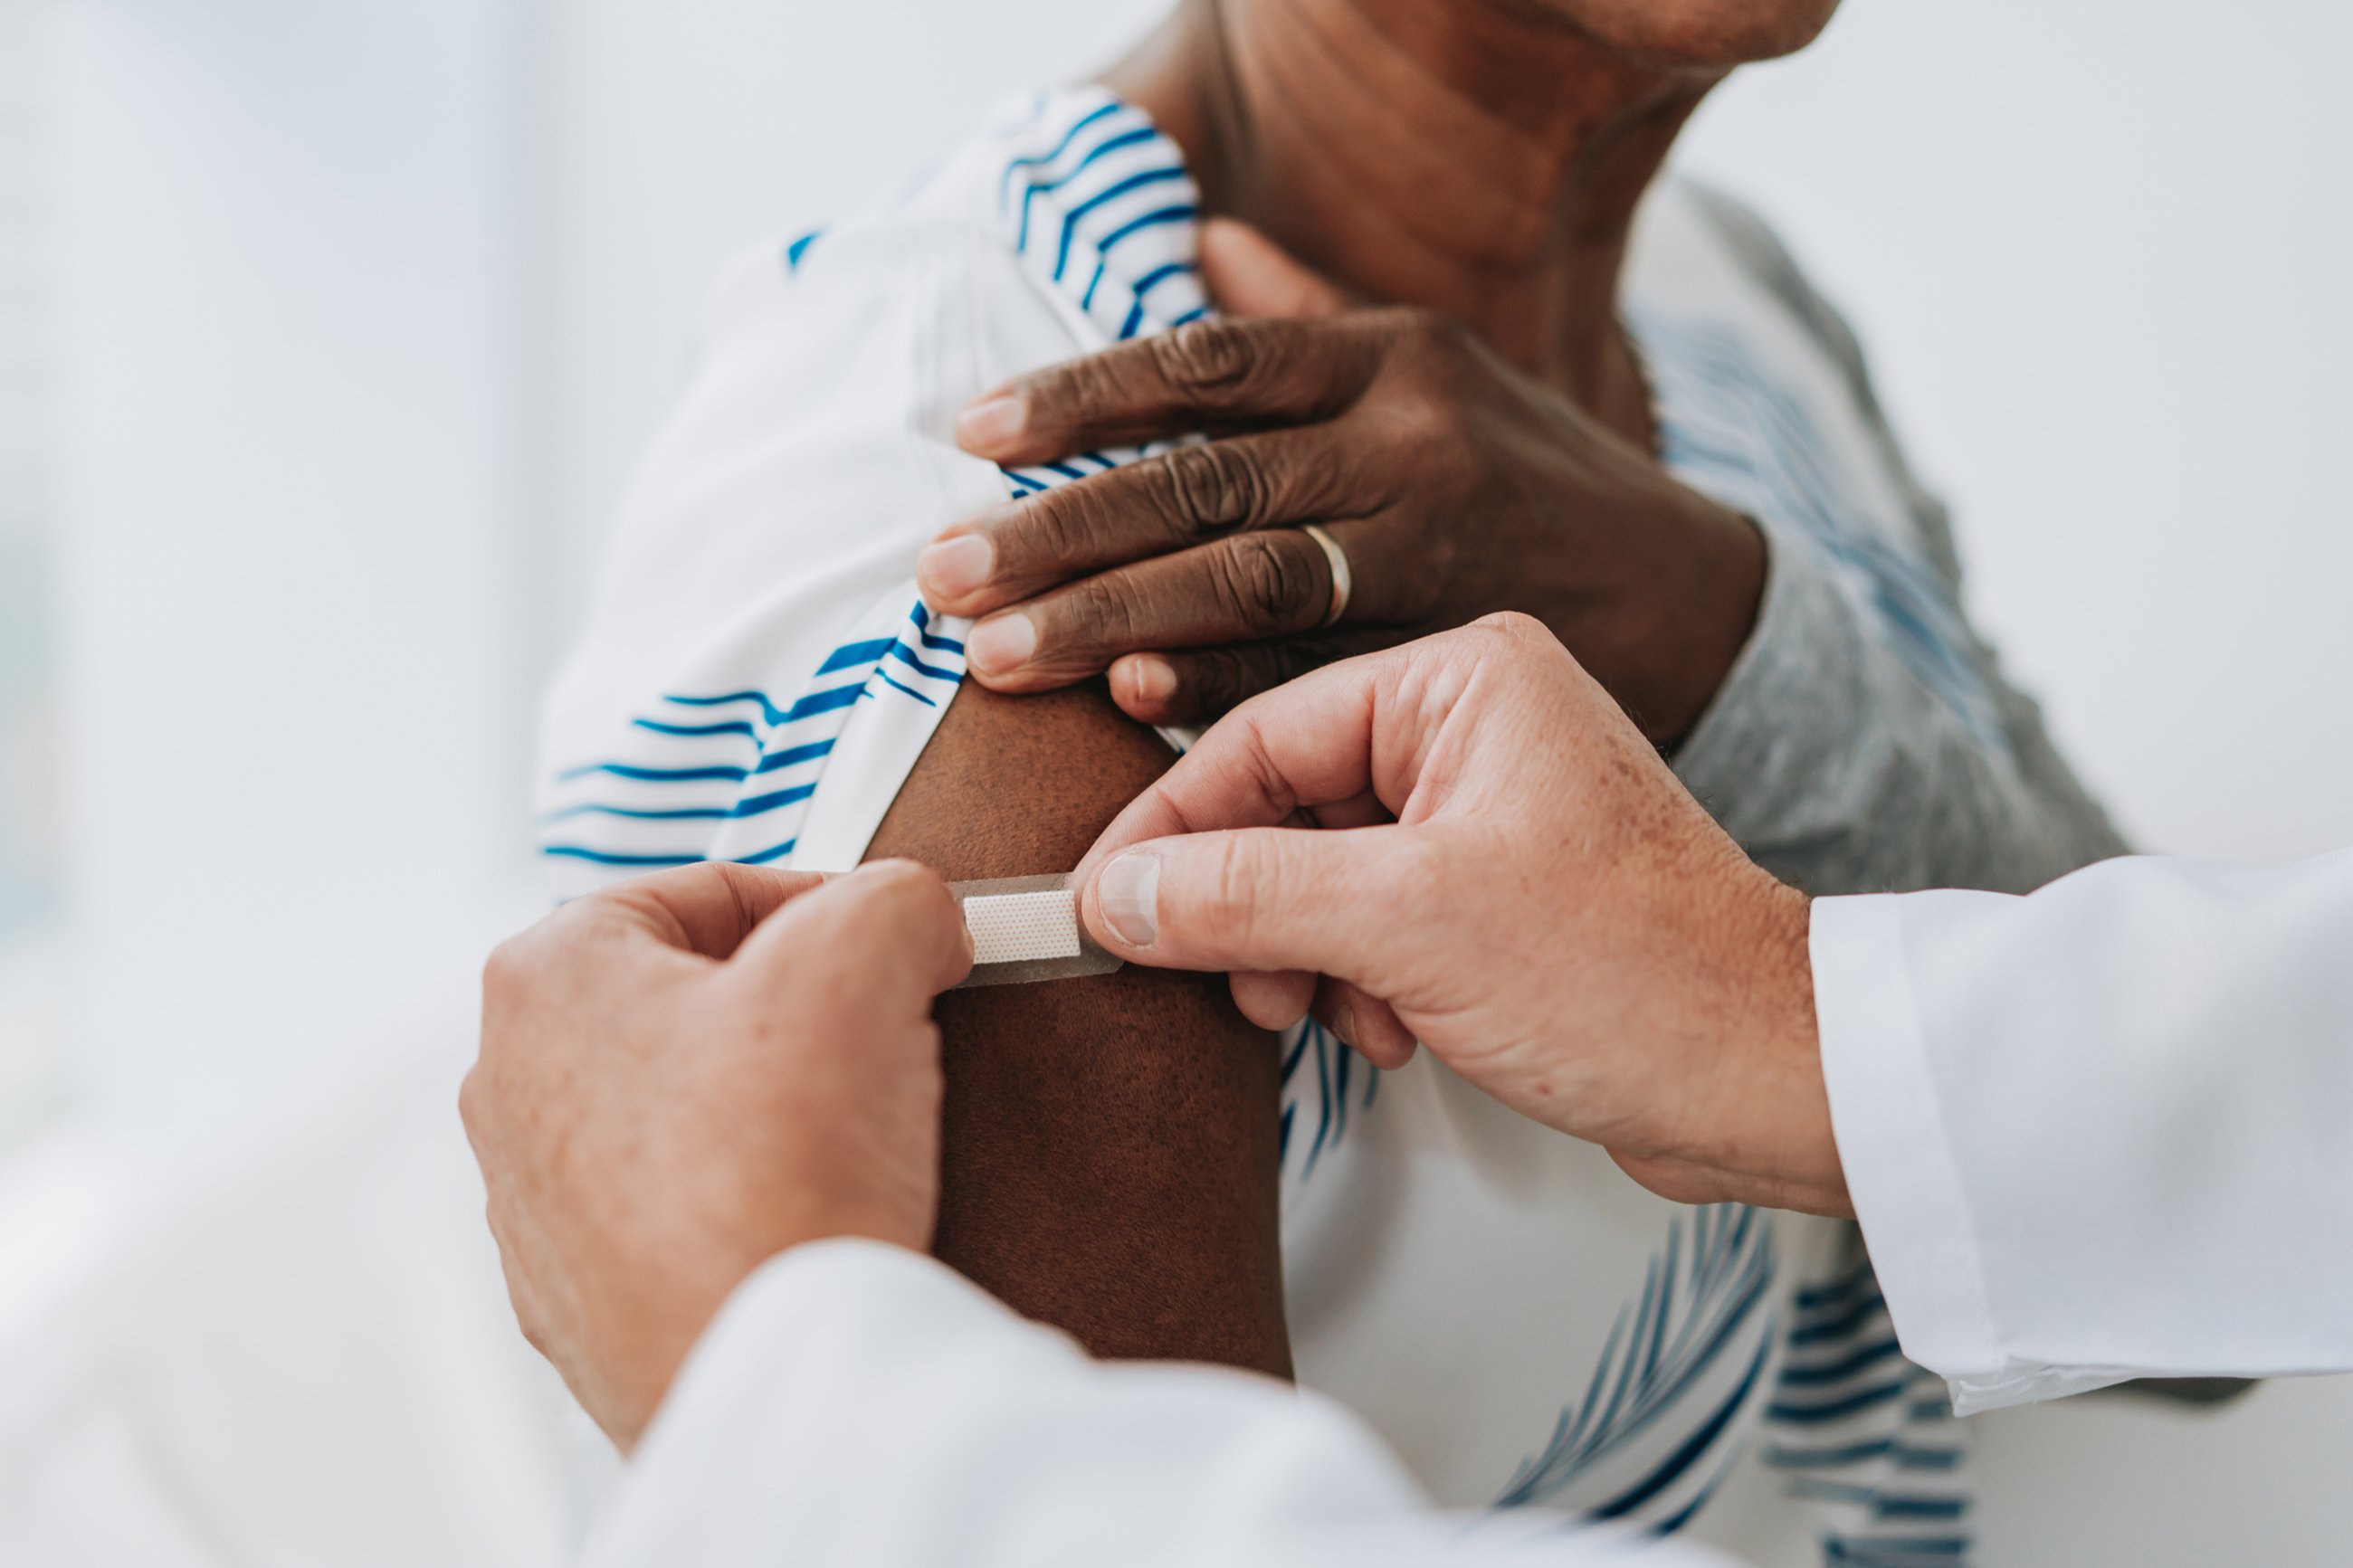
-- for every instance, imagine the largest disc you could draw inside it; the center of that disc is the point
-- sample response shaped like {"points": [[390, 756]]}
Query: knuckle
{"points": [[1212, 489], [1438, 471], [1058, 395], [1431, 427], [1524, 633], [1432, 332], [1247, 867], [508, 969], [1101, 613], [1055, 526], [1222, 680], [473, 1096], [1211, 684], [1522, 646], [1203, 356], [902, 885], [1518, 641], [1264, 581], [1425, 419]]}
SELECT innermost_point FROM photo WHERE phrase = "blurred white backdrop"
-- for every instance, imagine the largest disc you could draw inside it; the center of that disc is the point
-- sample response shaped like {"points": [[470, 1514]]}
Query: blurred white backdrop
{"points": [[297, 463], [366, 307]]}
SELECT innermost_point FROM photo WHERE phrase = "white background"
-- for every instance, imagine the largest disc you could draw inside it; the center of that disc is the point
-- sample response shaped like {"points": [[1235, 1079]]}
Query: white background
{"points": [[367, 306]]}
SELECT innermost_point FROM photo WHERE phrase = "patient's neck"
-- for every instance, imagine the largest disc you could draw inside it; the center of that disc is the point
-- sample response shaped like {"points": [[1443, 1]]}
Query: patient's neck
{"points": [[1435, 154]]}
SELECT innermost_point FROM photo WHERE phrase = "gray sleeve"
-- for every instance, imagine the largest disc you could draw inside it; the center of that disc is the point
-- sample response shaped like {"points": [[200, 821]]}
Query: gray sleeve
{"points": [[1825, 754]]}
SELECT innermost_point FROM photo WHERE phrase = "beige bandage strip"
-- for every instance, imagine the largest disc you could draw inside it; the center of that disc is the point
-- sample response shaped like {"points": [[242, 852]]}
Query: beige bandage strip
{"points": [[1014, 926], [1027, 928]]}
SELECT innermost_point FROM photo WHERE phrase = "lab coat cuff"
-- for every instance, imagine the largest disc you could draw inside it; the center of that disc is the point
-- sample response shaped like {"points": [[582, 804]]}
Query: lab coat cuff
{"points": [[753, 1335], [803, 1351], [1901, 1172]]}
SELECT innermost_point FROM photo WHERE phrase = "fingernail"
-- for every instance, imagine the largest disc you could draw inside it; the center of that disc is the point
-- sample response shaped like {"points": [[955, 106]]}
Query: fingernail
{"points": [[1151, 682], [993, 423], [1128, 892], [1000, 644], [954, 567]]}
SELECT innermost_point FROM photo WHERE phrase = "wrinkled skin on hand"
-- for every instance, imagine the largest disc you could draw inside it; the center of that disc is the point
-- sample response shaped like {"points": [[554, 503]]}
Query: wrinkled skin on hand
{"points": [[1457, 485], [1463, 843], [683, 1076]]}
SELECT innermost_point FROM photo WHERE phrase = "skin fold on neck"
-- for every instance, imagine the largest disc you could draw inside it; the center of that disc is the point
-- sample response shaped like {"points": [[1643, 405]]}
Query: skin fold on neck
{"points": [[1480, 158]]}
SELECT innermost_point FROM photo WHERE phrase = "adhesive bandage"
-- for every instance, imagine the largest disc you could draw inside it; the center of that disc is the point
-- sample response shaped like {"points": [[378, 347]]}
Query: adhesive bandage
{"points": [[1025, 928]]}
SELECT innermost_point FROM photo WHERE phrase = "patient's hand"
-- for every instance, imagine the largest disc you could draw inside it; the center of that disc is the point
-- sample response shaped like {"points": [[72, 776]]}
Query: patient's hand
{"points": [[1456, 484], [687, 1074]]}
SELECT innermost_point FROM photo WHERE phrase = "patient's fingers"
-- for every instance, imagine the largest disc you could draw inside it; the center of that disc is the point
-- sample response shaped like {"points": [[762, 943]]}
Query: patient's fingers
{"points": [[1189, 496], [1307, 743], [1253, 585], [1209, 376], [1191, 687]]}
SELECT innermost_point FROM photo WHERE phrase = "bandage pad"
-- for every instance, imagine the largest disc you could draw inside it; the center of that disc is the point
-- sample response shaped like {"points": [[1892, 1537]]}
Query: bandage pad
{"points": [[1026, 929]]}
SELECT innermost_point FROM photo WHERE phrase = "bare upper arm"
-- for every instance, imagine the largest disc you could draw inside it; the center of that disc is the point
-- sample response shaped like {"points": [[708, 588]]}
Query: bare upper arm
{"points": [[1111, 1145]]}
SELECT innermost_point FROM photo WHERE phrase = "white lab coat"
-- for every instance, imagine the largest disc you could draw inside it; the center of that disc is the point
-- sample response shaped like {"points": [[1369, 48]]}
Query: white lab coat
{"points": [[2104, 1130], [856, 1403], [2101, 1131]]}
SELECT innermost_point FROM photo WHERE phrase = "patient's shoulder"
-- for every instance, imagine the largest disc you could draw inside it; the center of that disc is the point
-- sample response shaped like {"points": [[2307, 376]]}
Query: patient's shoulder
{"points": [[766, 550], [1067, 221], [1759, 252]]}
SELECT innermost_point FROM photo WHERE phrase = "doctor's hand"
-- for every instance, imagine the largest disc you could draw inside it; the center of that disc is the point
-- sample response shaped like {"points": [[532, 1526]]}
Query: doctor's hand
{"points": [[684, 1074], [1463, 842], [1453, 484]]}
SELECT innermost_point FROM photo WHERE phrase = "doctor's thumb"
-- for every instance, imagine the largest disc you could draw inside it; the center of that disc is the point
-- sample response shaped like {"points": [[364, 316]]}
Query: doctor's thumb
{"points": [[1258, 900]]}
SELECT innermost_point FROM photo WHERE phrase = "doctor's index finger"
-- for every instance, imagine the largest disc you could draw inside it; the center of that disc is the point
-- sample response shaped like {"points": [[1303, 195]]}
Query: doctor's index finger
{"points": [[1204, 374], [1363, 730], [1305, 745], [891, 924], [687, 915]]}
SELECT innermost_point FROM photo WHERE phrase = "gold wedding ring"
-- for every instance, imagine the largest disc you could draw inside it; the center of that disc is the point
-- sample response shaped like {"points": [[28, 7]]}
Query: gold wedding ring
{"points": [[1344, 582]]}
